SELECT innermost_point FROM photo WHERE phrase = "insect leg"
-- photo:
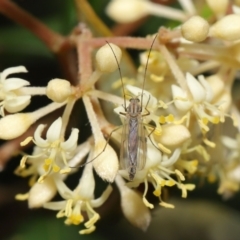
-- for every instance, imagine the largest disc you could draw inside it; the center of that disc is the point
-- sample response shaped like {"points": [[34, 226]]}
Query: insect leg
{"points": [[148, 113], [108, 139], [149, 137]]}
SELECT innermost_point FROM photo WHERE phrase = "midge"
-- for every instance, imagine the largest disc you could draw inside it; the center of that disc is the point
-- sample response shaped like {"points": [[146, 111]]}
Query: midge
{"points": [[134, 141]]}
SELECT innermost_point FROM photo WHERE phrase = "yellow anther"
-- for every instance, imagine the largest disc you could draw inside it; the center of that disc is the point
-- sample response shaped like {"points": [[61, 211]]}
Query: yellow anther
{"points": [[156, 78], [45, 167], [166, 205], [215, 120], [170, 118], [48, 161], [22, 197], [205, 120], [170, 183], [158, 131], [162, 119], [76, 219], [211, 178], [56, 168], [157, 192], [26, 141]]}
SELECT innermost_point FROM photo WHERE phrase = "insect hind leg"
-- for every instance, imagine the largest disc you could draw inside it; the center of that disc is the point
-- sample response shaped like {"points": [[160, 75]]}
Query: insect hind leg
{"points": [[107, 141]]}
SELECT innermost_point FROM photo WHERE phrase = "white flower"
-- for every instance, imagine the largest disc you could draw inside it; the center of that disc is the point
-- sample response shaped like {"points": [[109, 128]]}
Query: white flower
{"points": [[10, 94], [80, 200], [55, 151], [158, 171], [132, 205], [200, 103]]}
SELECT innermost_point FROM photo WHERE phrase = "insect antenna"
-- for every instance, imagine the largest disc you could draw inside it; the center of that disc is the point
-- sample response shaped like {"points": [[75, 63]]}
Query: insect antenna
{"points": [[120, 74], [145, 70], [123, 90]]}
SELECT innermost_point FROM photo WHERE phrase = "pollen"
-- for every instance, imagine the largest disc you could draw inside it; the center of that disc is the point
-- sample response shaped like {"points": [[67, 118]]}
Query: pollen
{"points": [[56, 168], [48, 161], [170, 118], [156, 78], [162, 119], [45, 167], [205, 120], [76, 219], [215, 120], [211, 178]]}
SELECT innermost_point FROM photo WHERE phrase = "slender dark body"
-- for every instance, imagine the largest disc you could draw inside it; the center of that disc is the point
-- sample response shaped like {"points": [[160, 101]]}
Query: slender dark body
{"points": [[133, 148]]}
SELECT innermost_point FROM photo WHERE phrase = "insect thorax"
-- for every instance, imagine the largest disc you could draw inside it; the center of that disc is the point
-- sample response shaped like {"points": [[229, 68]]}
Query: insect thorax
{"points": [[134, 108]]}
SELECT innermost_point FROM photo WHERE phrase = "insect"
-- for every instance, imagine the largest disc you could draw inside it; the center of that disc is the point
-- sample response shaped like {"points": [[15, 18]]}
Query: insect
{"points": [[134, 141]]}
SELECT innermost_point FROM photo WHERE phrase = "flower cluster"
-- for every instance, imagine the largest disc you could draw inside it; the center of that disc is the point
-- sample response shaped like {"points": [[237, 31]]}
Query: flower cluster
{"points": [[171, 130]]}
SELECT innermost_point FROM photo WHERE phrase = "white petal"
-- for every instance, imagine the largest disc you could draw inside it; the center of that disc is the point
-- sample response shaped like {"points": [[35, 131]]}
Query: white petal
{"points": [[230, 142], [172, 159], [72, 140], [207, 87], [99, 201], [147, 96], [86, 185], [174, 135], [16, 104], [12, 70], [106, 163], [63, 190], [182, 105], [41, 193], [198, 92], [55, 205], [54, 130], [14, 83], [37, 136], [133, 207], [134, 90]]}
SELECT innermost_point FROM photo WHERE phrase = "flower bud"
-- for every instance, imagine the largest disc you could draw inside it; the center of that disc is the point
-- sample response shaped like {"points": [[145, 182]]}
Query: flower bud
{"points": [[14, 125], [58, 90], [133, 207], [125, 11], [174, 135], [105, 58], [41, 193], [218, 7], [106, 162], [195, 29], [182, 105], [228, 28], [217, 84]]}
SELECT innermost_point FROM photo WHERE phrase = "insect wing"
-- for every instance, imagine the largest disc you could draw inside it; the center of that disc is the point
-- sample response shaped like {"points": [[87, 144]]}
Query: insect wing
{"points": [[126, 152], [142, 146]]}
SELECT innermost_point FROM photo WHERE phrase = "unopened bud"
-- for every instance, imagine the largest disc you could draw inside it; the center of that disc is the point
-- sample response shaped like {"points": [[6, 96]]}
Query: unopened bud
{"points": [[228, 28], [58, 90], [125, 11], [195, 29], [106, 162], [41, 193], [174, 135], [218, 7], [105, 58], [14, 125], [133, 207]]}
